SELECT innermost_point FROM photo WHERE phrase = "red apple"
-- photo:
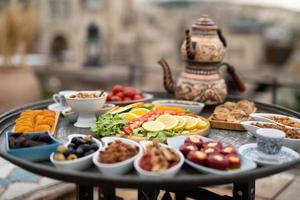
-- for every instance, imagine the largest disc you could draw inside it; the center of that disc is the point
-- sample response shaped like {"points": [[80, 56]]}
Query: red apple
{"points": [[117, 88], [209, 150], [129, 92], [217, 161], [194, 139], [198, 157], [145, 162], [234, 161], [137, 97], [127, 99], [228, 150], [187, 147], [116, 98], [212, 144], [120, 94], [109, 96]]}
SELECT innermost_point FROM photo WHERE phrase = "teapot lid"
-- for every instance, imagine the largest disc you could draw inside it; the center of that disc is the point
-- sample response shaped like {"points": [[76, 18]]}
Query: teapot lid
{"points": [[204, 23]]}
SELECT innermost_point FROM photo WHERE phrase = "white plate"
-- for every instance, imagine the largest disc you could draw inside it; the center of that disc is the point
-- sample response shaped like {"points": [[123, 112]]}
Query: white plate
{"points": [[57, 107], [285, 155], [78, 164], [262, 117], [147, 97], [195, 107], [288, 142], [246, 164], [168, 173], [120, 167]]}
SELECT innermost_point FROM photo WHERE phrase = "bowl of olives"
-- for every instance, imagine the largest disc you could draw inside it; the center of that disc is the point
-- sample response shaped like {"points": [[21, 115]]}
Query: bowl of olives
{"points": [[77, 153], [30, 146]]}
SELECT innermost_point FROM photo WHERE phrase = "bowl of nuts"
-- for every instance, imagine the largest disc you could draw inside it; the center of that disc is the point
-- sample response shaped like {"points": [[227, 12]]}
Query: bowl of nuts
{"points": [[77, 153], [86, 104], [117, 156]]}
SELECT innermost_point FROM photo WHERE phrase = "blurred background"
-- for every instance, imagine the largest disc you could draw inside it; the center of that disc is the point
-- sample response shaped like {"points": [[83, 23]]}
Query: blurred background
{"points": [[51, 45]]}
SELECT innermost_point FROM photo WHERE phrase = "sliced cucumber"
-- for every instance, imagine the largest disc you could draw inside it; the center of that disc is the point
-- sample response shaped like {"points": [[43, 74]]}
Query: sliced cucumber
{"points": [[121, 109]]}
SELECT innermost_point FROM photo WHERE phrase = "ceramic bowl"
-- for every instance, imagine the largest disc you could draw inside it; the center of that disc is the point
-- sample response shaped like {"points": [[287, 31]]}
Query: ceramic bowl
{"points": [[38, 153], [72, 116], [263, 118], [86, 108], [168, 173], [78, 164], [288, 142], [120, 167], [192, 106], [246, 164]]}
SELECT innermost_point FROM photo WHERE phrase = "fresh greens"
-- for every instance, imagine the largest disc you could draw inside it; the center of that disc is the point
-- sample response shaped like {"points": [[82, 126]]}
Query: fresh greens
{"points": [[109, 124], [160, 135]]}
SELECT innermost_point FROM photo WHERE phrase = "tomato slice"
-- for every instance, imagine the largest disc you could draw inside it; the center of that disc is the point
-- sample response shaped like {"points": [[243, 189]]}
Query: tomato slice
{"points": [[127, 130]]}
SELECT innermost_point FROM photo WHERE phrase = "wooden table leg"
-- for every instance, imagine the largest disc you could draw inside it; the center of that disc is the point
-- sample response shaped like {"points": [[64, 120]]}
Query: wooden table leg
{"points": [[148, 194], [244, 191], [84, 192]]}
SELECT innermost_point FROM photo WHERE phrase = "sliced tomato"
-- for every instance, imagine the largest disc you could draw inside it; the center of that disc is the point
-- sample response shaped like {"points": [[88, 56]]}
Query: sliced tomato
{"points": [[127, 130]]}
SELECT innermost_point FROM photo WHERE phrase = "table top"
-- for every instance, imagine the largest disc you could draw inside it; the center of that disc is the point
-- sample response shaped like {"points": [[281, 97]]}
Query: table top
{"points": [[187, 175]]}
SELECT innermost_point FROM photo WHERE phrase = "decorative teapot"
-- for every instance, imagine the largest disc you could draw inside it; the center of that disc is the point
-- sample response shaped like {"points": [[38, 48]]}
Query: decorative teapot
{"points": [[203, 51]]}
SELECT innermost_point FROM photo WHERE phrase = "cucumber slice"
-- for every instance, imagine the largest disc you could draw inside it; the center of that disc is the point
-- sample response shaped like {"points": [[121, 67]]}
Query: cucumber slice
{"points": [[121, 109]]}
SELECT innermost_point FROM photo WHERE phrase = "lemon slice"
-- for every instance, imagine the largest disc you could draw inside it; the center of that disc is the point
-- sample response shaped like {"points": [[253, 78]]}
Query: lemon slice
{"points": [[153, 126], [181, 123], [192, 122], [201, 124], [128, 115], [140, 111], [168, 120]]}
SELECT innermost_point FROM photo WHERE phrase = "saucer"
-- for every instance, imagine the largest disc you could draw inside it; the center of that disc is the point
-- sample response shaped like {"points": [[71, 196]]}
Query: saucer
{"points": [[57, 107], [285, 155]]}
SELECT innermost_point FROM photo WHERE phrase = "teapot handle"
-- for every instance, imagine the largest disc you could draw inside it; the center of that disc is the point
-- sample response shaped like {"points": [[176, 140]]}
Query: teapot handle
{"points": [[239, 83], [221, 36]]}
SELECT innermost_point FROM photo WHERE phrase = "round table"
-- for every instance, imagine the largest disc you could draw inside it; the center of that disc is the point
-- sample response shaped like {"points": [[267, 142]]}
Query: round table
{"points": [[186, 183]]}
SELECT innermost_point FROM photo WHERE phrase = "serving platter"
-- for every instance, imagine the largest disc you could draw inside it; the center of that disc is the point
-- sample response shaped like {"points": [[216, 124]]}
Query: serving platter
{"points": [[186, 176]]}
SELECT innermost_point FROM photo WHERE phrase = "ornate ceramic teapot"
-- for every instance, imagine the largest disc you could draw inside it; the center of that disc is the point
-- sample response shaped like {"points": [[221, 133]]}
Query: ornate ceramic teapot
{"points": [[203, 50]]}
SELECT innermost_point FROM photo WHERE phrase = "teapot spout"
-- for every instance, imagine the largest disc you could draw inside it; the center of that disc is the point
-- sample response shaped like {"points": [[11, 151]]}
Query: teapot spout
{"points": [[168, 79], [188, 45]]}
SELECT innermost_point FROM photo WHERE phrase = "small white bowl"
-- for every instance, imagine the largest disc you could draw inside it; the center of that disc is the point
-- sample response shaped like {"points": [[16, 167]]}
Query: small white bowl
{"points": [[78, 164], [120, 167], [263, 117], [288, 142], [86, 108], [192, 106], [168, 173]]}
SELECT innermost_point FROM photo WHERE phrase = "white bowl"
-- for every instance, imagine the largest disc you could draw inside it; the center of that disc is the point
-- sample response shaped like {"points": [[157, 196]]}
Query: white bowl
{"points": [[289, 142], [86, 108], [120, 167], [168, 173], [78, 164], [263, 118], [192, 106]]}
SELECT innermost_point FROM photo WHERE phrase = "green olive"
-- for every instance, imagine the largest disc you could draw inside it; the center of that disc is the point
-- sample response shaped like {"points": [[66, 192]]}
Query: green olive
{"points": [[59, 157], [88, 138], [72, 157], [62, 149]]}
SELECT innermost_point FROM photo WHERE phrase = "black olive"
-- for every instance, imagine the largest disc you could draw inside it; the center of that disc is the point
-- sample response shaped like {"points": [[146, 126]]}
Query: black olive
{"points": [[79, 152], [35, 137], [94, 146], [72, 145], [16, 135], [74, 140], [71, 150], [80, 141]]}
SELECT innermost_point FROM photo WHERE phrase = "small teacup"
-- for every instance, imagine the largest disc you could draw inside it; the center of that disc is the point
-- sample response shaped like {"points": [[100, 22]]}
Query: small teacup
{"points": [[59, 97], [269, 142]]}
